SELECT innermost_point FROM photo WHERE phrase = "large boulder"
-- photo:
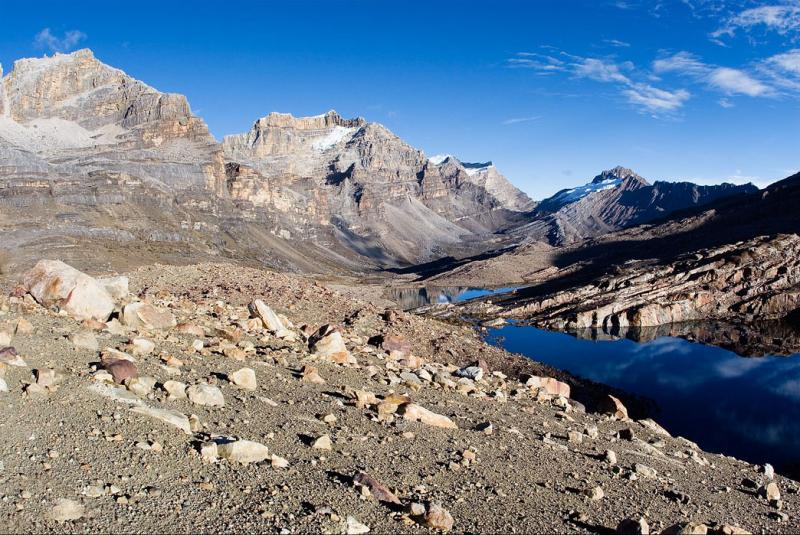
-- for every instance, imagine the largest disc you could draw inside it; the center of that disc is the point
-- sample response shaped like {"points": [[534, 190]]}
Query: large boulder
{"points": [[54, 283]]}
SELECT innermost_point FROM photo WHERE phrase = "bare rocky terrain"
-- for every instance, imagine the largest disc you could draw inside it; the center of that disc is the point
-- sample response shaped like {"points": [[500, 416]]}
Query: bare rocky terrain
{"points": [[195, 407]]}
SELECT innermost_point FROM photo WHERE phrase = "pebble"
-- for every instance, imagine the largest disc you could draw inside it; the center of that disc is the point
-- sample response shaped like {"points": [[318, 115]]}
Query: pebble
{"points": [[594, 493]]}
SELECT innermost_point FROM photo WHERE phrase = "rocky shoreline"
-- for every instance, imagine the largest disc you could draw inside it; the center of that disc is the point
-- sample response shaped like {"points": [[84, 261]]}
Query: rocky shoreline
{"points": [[221, 398]]}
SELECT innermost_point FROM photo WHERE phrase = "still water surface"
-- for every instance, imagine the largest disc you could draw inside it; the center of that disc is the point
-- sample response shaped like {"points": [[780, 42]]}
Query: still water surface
{"points": [[748, 407]]}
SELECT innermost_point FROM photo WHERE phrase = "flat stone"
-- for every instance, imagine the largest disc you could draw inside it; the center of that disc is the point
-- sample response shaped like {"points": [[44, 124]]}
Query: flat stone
{"points": [[85, 340], [168, 416], [144, 316], [354, 527], [417, 413], [66, 510]]}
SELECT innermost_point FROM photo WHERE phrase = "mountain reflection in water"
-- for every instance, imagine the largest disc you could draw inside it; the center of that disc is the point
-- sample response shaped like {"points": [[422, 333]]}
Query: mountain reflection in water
{"points": [[745, 407], [411, 298]]}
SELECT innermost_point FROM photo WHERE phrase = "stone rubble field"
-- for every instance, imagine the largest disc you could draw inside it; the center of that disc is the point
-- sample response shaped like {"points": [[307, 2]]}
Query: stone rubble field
{"points": [[215, 398]]}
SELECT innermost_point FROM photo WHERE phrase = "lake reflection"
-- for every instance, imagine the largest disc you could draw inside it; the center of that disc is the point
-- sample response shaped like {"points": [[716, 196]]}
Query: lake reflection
{"points": [[745, 407], [410, 298]]}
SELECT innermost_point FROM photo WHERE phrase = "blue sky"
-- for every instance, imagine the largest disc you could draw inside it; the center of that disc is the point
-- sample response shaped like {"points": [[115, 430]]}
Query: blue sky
{"points": [[552, 92]]}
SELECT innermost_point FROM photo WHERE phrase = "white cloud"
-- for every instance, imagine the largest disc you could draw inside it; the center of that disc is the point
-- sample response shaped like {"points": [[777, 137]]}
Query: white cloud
{"points": [[684, 63], [515, 120], [656, 100], [617, 43], [734, 81], [645, 97], [728, 80], [726, 103], [782, 18], [600, 70], [47, 39]]}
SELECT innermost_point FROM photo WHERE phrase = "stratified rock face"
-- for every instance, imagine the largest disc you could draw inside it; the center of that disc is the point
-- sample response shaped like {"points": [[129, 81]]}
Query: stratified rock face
{"points": [[367, 183], [617, 199], [76, 112], [758, 279]]}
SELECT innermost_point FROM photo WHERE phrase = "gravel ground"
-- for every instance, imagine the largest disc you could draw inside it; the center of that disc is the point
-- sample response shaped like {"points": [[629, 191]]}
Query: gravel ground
{"points": [[534, 473]]}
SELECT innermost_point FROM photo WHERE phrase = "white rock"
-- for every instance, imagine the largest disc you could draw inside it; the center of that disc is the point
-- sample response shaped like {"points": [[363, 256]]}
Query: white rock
{"points": [[271, 320], [142, 346], [242, 451], [169, 416], [244, 378], [52, 282], [141, 386], [3, 385], [205, 394], [354, 527], [66, 510], [85, 340], [175, 389], [144, 316], [117, 287]]}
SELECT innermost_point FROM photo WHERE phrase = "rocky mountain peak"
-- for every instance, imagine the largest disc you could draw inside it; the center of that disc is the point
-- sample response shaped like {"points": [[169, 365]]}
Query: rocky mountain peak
{"points": [[619, 173], [317, 122]]}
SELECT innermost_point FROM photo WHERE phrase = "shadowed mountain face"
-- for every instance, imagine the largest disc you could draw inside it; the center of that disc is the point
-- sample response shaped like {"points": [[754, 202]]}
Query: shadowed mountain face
{"points": [[93, 160], [614, 200]]}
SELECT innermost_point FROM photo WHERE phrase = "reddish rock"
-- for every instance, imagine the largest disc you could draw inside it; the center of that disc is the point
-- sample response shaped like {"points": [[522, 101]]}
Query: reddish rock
{"points": [[120, 369]]}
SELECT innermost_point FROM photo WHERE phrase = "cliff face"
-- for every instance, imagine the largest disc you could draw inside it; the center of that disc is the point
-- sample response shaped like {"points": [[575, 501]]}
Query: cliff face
{"points": [[90, 156], [368, 184]]}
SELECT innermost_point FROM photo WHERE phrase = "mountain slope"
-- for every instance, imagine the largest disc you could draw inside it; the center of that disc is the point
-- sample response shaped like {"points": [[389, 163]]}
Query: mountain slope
{"points": [[91, 157], [613, 200]]}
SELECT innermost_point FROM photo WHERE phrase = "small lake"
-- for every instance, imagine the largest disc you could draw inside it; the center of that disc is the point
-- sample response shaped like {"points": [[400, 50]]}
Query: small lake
{"points": [[747, 407]]}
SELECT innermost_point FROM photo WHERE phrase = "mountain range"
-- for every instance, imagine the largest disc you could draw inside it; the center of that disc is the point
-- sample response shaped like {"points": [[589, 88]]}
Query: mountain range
{"points": [[94, 160]]}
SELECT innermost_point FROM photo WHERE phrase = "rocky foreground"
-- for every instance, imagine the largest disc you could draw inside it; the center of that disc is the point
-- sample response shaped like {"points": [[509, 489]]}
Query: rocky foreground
{"points": [[218, 398]]}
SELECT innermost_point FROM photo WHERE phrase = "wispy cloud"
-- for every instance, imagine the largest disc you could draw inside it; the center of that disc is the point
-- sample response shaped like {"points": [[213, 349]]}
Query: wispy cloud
{"points": [[725, 79], [516, 120], [644, 96], [616, 43], [782, 18], [47, 39], [736, 82]]}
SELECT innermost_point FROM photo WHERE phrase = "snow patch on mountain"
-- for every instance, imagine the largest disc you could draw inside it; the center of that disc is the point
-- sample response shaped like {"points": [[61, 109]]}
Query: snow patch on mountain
{"points": [[439, 159], [333, 138], [576, 194]]}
